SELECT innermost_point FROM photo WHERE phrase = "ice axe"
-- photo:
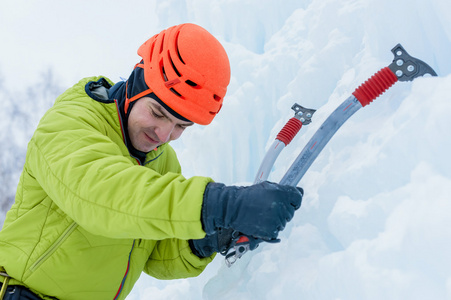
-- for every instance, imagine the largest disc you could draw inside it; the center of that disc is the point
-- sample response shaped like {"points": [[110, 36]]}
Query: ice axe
{"points": [[403, 68]]}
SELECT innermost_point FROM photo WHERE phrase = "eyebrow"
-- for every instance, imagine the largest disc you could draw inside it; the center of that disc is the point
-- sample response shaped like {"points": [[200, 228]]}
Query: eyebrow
{"points": [[163, 112]]}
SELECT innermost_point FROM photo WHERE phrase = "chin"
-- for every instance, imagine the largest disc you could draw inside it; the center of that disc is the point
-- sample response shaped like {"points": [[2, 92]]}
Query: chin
{"points": [[148, 148]]}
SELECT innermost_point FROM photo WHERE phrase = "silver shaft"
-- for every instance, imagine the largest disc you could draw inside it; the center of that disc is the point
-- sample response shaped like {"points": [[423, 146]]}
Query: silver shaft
{"points": [[319, 140], [268, 161]]}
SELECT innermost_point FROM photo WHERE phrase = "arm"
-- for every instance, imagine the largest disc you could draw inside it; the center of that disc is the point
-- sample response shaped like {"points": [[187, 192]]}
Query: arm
{"points": [[87, 173], [173, 258]]}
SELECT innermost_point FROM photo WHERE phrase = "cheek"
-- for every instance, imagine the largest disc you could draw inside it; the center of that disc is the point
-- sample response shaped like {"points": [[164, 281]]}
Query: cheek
{"points": [[176, 133], [130, 125], [135, 125], [137, 122]]}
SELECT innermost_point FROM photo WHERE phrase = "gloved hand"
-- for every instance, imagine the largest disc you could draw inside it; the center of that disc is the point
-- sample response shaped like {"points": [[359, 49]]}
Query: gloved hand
{"points": [[258, 211], [220, 241]]}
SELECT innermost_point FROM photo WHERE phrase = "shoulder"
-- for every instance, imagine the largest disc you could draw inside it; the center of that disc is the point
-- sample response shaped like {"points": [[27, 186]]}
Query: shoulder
{"points": [[82, 89], [75, 106]]}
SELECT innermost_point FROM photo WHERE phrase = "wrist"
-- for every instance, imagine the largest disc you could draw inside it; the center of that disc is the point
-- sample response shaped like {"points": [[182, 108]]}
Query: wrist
{"points": [[220, 242], [201, 248], [212, 209]]}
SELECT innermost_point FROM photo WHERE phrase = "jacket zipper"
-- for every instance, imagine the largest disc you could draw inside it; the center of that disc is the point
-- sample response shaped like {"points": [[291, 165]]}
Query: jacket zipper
{"points": [[54, 247], [121, 286]]}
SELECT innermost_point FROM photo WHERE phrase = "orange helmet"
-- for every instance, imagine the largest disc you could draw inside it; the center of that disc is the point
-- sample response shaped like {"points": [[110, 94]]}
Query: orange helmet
{"points": [[188, 69]]}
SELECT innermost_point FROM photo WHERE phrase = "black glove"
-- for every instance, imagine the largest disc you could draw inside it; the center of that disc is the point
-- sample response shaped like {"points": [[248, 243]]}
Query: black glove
{"points": [[258, 211], [221, 241]]}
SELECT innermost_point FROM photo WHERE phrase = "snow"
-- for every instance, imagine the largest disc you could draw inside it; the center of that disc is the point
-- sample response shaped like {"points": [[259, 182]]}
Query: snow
{"points": [[376, 217]]}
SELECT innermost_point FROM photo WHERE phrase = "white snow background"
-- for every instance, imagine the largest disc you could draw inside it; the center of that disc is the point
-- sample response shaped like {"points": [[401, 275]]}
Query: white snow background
{"points": [[375, 222]]}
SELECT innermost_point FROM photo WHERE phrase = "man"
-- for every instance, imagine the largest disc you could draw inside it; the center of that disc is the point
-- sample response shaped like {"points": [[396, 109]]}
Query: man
{"points": [[101, 197]]}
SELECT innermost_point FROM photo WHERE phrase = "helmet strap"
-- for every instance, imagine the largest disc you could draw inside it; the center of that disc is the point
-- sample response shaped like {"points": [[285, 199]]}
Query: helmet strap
{"points": [[134, 98]]}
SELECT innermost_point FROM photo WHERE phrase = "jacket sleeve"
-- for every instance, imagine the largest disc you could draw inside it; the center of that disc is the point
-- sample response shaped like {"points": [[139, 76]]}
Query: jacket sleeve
{"points": [[90, 179], [173, 258]]}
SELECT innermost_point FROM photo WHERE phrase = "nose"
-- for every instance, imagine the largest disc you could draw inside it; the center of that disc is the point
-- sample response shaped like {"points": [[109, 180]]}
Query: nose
{"points": [[164, 131]]}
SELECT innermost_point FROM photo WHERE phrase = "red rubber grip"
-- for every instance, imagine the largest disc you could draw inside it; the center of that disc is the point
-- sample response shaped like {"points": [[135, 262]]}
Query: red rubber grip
{"points": [[375, 86], [242, 239], [289, 131]]}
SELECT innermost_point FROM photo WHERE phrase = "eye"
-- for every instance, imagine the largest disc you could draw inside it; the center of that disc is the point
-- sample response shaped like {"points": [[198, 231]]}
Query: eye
{"points": [[156, 115]]}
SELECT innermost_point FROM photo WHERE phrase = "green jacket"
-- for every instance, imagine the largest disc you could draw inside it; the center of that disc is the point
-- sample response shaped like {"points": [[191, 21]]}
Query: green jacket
{"points": [[88, 216]]}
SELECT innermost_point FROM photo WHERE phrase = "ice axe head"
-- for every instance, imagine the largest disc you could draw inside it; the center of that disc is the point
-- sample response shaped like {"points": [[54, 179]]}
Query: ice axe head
{"points": [[406, 67]]}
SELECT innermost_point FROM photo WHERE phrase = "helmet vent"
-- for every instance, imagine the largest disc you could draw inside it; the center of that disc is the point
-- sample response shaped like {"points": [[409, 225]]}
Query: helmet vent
{"points": [[163, 73], [217, 98], [162, 43], [177, 47], [151, 51], [173, 66], [175, 92], [193, 84]]}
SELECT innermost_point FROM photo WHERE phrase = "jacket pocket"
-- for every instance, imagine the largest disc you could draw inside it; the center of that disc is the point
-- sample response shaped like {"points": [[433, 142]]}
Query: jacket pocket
{"points": [[53, 247]]}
